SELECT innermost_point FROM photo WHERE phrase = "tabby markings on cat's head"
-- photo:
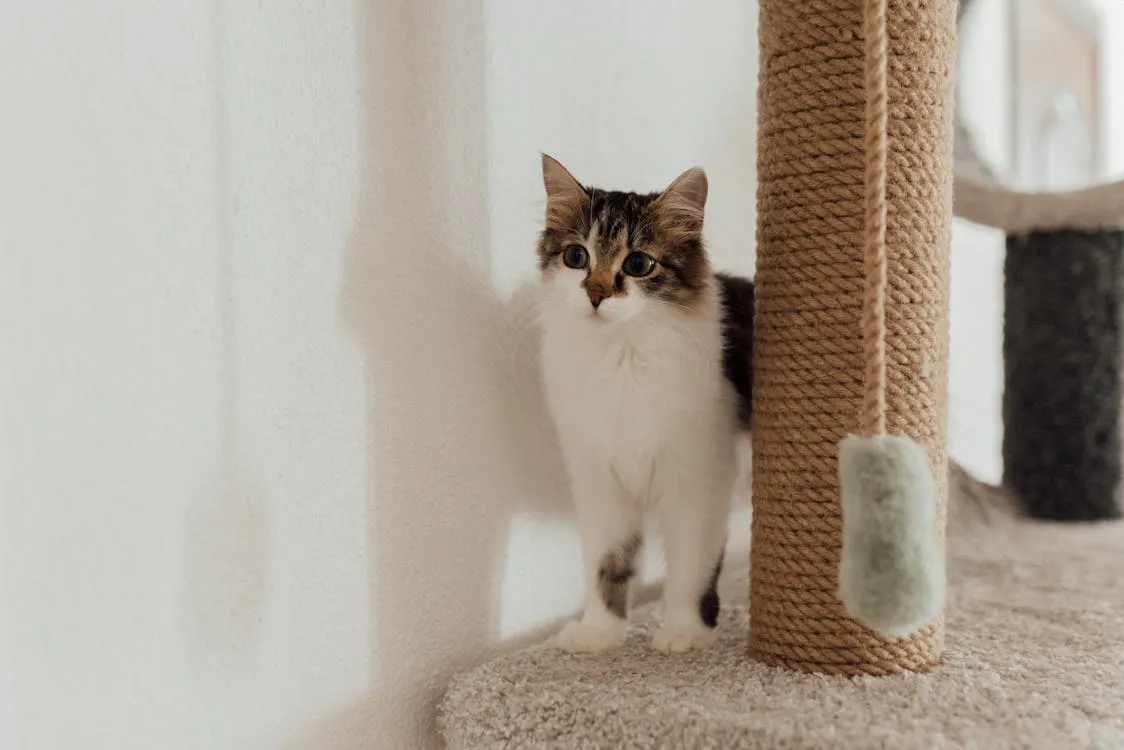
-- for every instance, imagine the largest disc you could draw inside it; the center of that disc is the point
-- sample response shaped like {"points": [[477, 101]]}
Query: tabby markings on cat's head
{"points": [[611, 256]]}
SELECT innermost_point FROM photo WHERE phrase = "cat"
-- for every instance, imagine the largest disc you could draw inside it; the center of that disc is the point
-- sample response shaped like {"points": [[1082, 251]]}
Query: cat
{"points": [[646, 356]]}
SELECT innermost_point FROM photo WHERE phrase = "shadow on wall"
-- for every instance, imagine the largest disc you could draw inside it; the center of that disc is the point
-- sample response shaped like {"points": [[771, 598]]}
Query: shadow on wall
{"points": [[458, 439], [227, 546]]}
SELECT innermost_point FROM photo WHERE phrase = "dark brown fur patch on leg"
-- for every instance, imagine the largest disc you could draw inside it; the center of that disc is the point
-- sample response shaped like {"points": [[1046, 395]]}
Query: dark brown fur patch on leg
{"points": [[615, 573], [708, 602]]}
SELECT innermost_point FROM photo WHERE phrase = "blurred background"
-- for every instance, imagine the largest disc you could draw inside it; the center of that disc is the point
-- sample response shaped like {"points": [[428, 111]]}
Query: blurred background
{"points": [[273, 462]]}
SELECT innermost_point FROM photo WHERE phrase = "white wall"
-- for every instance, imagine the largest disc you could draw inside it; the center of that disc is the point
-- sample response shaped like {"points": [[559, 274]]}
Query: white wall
{"points": [[976, 306], [1112, 68], [271, 459]]}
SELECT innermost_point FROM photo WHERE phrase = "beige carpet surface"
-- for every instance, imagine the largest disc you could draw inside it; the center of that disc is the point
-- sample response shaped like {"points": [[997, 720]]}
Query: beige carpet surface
{"points": [[1035, 660]]}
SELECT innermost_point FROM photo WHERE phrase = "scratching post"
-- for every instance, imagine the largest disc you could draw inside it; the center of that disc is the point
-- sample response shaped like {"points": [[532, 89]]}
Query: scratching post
{"points": [[810, 368], [1062, 343]]}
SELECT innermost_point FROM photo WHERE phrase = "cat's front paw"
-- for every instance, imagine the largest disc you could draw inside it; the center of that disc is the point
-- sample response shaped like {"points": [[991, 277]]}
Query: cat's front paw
{"points": [[580, 637], [677, 639]]}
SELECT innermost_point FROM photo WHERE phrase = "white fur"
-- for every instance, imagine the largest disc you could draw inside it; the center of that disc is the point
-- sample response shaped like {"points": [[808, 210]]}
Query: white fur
{"points": [[647, 422]]}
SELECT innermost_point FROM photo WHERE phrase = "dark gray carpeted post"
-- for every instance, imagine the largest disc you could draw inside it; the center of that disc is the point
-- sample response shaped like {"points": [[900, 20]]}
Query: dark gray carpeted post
{"points": [[1062, 354]]}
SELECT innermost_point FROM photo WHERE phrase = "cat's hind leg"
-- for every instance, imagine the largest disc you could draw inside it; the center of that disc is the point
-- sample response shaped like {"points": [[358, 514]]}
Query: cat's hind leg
{"points": [[693, 522]]}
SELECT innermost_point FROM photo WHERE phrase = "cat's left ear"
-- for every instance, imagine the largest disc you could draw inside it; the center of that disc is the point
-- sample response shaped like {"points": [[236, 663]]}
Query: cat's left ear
{"points": [[685, 197]]}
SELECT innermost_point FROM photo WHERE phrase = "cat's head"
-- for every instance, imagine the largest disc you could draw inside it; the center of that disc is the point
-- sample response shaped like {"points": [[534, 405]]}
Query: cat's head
{"points": [[611, 256]]}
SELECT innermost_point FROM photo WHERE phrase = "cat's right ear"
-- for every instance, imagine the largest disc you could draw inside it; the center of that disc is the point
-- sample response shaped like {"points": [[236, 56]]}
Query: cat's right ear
{"points": [[564, 194]]}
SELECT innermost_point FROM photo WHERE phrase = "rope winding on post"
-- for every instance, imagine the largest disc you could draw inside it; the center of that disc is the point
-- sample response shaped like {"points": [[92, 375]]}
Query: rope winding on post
{"points": [[854, 216], [891, 576], [874, 240]]}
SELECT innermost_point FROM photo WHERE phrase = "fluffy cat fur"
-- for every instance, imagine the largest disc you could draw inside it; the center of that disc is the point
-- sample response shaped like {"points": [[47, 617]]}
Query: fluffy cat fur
{"points": [[647, 369]]}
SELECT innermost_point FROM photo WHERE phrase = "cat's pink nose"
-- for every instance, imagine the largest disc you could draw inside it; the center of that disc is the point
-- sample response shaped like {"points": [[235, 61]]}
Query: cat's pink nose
{"points": [[595, 296]]}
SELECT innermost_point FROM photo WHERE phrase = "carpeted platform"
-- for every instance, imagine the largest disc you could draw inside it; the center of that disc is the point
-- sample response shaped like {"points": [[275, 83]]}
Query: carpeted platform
{"points": [[1035, 660]]}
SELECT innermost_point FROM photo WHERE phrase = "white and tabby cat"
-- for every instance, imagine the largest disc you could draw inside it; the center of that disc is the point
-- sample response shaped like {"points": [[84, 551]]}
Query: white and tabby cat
{"points": [[647, 357]]}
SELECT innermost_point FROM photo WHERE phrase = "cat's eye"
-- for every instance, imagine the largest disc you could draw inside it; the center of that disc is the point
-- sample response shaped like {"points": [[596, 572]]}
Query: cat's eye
{"points": [[575, 256], [638, 264]]}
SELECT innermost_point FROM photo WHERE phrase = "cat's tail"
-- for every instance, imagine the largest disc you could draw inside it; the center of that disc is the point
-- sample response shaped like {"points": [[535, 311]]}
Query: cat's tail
{"points": [[972, 501]]}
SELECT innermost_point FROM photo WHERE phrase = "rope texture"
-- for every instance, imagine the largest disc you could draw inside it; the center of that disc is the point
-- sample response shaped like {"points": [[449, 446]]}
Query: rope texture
{"points": [[874, 244], [809, 367]]}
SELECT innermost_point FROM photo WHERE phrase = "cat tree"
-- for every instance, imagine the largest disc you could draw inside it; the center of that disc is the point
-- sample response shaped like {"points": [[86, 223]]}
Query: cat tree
{"points": [[1063, 335], [1013, 618]]}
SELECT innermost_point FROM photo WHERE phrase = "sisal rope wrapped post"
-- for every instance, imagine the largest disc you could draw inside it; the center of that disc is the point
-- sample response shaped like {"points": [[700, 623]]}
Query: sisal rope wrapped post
{"points": [[851, 334]]}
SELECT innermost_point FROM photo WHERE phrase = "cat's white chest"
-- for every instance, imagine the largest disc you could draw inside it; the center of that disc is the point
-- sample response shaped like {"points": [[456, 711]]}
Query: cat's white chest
{"points": [[623, 403]]}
